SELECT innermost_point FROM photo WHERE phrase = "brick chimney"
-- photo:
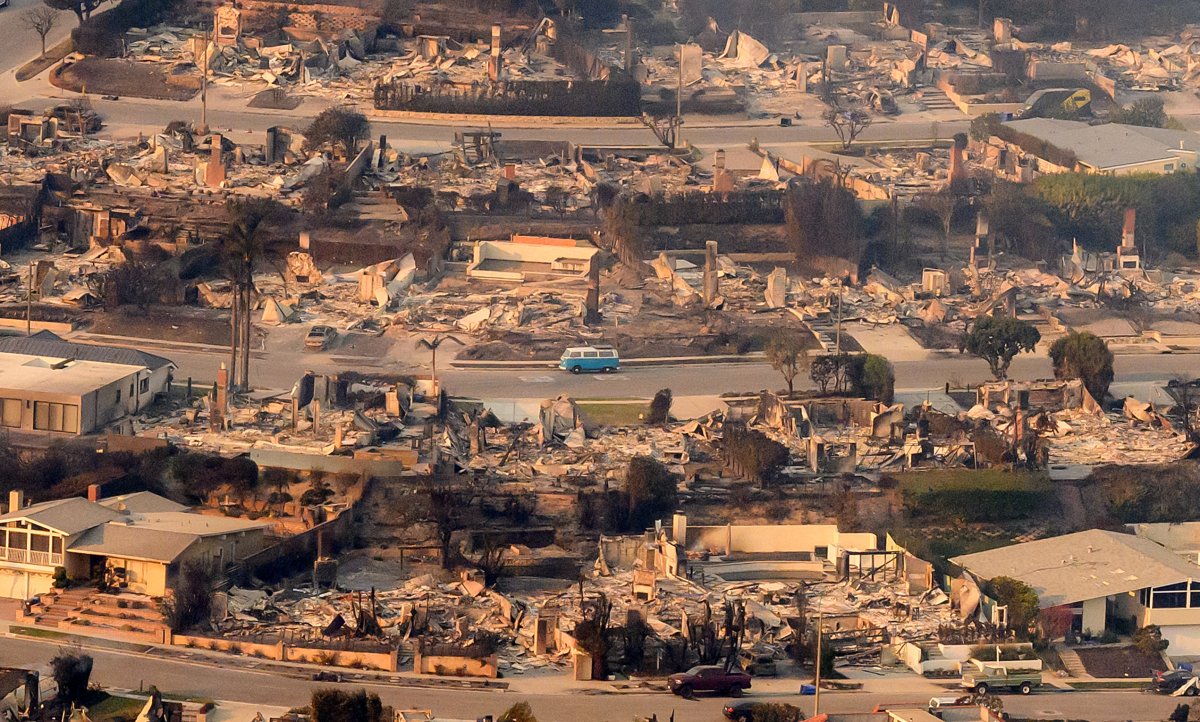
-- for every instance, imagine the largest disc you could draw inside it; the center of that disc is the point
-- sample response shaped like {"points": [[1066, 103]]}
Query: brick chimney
{"points": [[16, 500], [93, 492], [1128, 233]]}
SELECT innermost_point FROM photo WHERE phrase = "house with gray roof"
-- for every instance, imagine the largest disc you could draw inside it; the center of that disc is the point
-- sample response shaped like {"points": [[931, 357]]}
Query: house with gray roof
{"points": [[136, 542], [1105, 578], [53, 386], [1046, 145]]}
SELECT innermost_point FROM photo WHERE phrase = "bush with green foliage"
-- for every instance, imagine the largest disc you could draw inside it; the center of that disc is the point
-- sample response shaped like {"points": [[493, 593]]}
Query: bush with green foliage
{"points": [[1149, 640], [1083, 355], [660, 407], [776, 712], [335, 705], [984, 496], [1167, 493], [519, 712], [1147, 112], [1090, 208]]}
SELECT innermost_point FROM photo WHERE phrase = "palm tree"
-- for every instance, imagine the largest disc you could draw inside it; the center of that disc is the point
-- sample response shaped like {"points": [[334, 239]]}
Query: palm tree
{"points": [[243, 248], [432, 344]]}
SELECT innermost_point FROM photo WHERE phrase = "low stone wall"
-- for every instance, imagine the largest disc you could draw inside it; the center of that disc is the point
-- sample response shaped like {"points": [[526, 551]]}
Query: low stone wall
{"points": [[447, 666], [282, 652]]}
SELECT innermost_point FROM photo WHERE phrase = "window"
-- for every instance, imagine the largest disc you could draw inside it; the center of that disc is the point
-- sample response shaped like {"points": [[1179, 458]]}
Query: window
{"points": [[1169, 167], [145, 386], [608, 354], [10, 413], [118, 396], [591, 354], [48, 416], [1170, 596]]}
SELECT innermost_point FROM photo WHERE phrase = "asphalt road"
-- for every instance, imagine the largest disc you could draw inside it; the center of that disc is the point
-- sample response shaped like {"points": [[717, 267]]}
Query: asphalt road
{"points": [[115, 669], [128, 116], [279, 370]]}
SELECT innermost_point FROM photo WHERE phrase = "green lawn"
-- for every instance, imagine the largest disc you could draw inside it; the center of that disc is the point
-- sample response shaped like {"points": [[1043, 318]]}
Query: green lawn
{"points": [[973, 479], [610, 413], [1087, 686], [39, 633], [113, 707]]}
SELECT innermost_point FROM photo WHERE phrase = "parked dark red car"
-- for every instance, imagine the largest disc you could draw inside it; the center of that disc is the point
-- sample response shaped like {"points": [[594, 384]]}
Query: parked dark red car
{"points": [[709, 679]]}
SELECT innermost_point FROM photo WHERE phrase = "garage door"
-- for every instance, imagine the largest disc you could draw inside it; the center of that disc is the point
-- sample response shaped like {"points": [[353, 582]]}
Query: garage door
{"points": [[12, 584], [1184, 639]]}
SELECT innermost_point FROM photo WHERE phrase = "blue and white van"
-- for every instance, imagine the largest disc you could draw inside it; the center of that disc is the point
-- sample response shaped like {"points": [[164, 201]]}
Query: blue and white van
{"points": [[578, 359]]}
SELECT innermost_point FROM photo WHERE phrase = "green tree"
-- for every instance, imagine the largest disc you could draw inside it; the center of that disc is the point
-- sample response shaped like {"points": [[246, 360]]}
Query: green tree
{"points": [[1147, 112], [652, 490], [998, 339], [338, 126], [878, 379], [1083, 355], [787, 354], [1021, 600]]}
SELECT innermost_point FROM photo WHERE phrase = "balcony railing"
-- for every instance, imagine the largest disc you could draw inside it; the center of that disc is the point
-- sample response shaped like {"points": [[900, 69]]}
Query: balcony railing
{"points": [[26, 556]]}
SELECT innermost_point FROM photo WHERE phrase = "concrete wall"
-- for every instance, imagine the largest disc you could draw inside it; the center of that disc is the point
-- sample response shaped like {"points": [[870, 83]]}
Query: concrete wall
{"points": [[1095, 615], [228, 548], [455, 666], [296, 461], [359, 164], [385, 661], [772, 538], [840, 18], [533, 253]]}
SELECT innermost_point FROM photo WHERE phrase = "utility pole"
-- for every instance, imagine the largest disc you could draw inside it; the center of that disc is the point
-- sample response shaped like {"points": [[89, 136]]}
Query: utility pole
{"points": [[837, 347], [679, 101], [204, 86], [817, 669], [29, 303]]}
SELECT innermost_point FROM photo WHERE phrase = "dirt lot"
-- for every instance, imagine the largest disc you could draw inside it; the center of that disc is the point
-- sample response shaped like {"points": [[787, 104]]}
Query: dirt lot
{"points": [[1114, 662], [166, 326], [102, 76]]}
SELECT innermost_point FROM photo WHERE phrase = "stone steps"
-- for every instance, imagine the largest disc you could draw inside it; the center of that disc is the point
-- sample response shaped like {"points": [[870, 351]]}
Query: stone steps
{"points": [[1072, 663]]}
